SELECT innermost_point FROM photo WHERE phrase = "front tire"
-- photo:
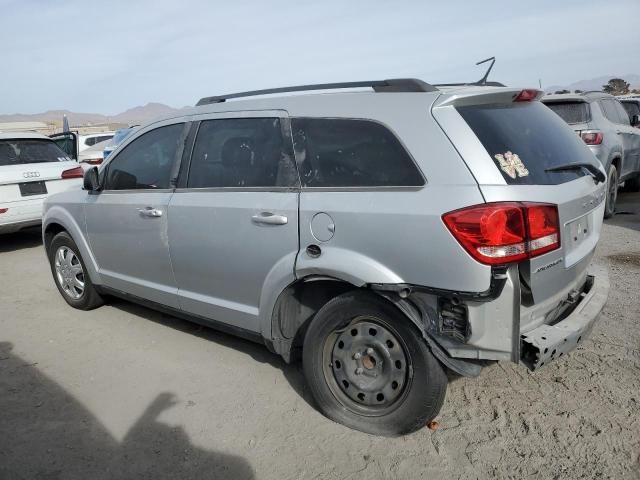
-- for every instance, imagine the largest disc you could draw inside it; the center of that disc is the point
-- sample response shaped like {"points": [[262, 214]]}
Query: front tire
{"points": [[70, 274], [369, 368], [612, 191]]}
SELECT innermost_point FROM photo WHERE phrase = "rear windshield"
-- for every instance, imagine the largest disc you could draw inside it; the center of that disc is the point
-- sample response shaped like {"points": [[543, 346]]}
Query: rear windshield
{"points": [[571, 112], [524, 139], [19, 152]]}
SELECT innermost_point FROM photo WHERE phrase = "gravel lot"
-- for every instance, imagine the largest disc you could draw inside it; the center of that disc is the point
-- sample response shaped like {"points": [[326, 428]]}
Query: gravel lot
{"points": [[124, 392]]}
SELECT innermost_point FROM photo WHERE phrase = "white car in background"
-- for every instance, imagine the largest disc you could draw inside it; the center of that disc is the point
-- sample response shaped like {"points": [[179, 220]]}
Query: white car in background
{"points": [[93, 155], [31, 167], [86, 141]]}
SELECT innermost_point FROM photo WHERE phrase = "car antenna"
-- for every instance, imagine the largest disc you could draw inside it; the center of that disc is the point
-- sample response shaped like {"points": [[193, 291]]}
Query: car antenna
{"points": [[483, 80]]}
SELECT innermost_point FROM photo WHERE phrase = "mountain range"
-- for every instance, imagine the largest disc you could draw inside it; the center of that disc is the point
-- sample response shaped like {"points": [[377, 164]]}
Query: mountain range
{"points": [[135, 115]]}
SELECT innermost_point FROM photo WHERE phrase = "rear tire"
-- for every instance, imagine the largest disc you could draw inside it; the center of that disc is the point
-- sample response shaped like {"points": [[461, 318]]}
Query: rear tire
{"points": [[70, 274], [369, 368], [632, 184], [612, 191]]}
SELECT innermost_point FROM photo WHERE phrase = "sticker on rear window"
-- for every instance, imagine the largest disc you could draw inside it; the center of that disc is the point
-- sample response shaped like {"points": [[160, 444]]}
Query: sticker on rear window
{"points": [[511, 164]]}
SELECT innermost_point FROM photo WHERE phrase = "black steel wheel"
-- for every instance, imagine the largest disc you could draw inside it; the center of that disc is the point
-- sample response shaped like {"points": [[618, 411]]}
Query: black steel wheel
{"points": [[369, 368]]}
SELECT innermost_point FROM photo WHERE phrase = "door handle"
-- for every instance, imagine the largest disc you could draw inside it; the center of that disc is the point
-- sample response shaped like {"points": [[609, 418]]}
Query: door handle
{"points": [[150, 212], [269, 218]]}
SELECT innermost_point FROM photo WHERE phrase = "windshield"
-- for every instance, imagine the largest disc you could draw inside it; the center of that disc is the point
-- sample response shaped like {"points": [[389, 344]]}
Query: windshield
{"points": [[524, 139], [571, 112], [19, 152]]}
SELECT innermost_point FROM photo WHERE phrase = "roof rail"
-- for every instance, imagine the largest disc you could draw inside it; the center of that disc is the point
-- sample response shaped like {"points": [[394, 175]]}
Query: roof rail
{"points": [[471, 84], [392, 85]]}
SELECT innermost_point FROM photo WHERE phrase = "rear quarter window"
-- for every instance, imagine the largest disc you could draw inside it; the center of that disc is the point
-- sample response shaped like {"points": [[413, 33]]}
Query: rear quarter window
{"points": [[524, 139], [333, 152]]}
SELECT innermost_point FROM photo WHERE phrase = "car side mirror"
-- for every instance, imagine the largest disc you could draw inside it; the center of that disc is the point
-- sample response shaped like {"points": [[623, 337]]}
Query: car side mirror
{"points": [[635, 120], [91, 182]]}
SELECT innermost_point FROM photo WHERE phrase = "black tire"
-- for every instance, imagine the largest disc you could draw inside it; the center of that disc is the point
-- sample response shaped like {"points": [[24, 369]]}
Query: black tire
{"points": [[612, 191], [632, 184], [89, 298], [420, 395]]}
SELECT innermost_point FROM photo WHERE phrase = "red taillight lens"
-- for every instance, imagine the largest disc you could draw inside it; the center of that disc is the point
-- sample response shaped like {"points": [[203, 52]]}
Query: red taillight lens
{"points": [[526, 95], [93, 161], [506, 232], [543, 227], [76, 172], [4, 210], [591, 138]]}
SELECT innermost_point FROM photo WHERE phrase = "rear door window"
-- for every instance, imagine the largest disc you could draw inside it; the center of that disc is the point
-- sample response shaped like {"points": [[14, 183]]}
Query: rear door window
{"points": [[632, 108], [524, 139], [623, 117], [241, 153], [609, 110], [351, 153], [20, 152], [571, 112]]}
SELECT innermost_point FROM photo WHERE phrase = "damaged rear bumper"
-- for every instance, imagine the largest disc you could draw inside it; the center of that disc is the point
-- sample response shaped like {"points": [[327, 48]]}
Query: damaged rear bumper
{"points": [[548, 342]]}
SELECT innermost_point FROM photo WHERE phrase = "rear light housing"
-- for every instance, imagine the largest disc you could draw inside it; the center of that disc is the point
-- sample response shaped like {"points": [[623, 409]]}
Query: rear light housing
{"points": [[505, 232], [4, 210], [93, 161], [591, 137], [527, 95], [75, 172]]}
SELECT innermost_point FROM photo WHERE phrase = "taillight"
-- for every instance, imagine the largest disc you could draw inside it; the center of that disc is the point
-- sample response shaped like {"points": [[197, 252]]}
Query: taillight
{"points": [[4, 210], [75, 172], [93, 161], [505, 232], [527, 95], [592, 137]]}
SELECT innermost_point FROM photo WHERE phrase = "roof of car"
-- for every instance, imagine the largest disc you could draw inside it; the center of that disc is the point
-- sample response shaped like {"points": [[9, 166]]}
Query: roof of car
{"points": [[22, 135], [575, 97]]}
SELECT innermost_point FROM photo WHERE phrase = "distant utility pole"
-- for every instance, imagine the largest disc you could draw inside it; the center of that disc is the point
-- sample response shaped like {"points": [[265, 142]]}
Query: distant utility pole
{"points": [[540, 83]]}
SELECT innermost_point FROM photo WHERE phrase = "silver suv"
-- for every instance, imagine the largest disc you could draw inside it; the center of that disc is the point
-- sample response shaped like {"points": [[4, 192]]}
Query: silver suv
{"points": [[383, 236], [604, 125]]}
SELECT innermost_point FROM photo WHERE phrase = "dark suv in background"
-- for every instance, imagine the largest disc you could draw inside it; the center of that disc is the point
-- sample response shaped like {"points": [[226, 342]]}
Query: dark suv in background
{"points": [[606, 127]]}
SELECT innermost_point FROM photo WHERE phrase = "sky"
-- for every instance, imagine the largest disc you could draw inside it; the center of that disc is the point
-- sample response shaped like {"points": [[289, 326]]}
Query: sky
{"points": [[107, 56]]}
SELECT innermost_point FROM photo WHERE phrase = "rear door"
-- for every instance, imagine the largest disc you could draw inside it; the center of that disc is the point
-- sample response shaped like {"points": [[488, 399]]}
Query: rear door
{"points": [[233, 223], [509, 146], [630, 139], [67, 142]]}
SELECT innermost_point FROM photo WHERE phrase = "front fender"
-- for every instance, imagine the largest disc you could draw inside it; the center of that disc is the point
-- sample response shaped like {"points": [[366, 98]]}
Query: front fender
{"points": [[56, 214]]}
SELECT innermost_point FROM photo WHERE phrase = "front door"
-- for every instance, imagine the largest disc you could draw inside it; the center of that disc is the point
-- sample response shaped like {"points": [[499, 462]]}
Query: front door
{"points": [[127, 221], [233, 228]]}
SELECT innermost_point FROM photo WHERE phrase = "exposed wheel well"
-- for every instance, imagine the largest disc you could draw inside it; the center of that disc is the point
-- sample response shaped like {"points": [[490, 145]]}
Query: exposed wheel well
{"points": [[51, 231], [616, 161], [296, 307]]}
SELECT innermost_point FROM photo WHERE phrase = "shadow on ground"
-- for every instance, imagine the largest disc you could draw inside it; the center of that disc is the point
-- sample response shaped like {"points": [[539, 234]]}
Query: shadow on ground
{"points": [[47, 434], [258, 352], [627, 212], [27, 238]]}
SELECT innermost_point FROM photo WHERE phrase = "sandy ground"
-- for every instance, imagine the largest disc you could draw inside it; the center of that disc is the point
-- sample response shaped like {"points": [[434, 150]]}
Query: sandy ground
{"points": [[124, 392]]}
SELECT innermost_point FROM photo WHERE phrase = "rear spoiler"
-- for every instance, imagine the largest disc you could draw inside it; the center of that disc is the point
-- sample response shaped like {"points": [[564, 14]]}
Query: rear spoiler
{"points": [[487, 95]]}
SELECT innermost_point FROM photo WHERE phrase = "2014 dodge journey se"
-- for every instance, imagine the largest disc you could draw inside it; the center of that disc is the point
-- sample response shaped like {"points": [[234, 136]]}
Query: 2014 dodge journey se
{"points": [[383, 236]]}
